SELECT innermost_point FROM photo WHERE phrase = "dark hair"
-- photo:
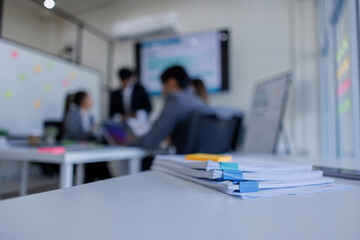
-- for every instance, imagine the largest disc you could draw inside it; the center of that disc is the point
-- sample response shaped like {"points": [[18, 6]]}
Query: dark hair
{"points": [[79, 97], [200, 89], [125, 73], [68, 101], [179, 74]]}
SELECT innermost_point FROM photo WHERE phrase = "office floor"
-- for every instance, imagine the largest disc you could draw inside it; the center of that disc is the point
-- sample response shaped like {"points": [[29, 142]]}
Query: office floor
{"points": [[36, 185]]}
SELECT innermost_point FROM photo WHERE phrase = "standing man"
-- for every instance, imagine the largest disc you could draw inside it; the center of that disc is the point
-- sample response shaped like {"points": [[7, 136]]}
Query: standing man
{"points": [[130, 98]]}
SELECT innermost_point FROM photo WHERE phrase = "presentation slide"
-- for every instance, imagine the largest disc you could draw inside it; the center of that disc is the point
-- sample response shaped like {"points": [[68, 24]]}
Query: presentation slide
{"points": [[200, 54], [34, 85]]}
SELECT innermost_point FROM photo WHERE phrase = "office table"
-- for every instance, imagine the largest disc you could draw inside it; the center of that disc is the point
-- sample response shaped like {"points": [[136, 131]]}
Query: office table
{"points": [[73, 156], [153, 205]]}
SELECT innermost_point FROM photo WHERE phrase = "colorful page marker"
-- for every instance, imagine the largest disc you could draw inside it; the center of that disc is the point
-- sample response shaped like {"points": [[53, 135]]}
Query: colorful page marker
{"points": [[206, 157]]}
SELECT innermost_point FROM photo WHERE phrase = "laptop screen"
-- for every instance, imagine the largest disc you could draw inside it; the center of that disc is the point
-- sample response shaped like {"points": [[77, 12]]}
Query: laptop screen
{"points": [[266, 114], [115, 133]]}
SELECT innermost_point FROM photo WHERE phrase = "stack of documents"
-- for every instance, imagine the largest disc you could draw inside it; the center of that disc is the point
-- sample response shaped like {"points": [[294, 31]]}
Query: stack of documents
{"points": [[247, 177]]}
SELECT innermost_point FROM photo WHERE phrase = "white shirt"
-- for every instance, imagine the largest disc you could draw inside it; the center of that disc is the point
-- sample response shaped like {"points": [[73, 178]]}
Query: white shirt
{"points": [[86, 120], [127, 97]]}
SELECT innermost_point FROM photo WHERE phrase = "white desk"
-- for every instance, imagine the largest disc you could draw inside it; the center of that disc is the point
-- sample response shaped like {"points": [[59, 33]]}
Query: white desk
{"points": [[152, 205], [78, 156]]}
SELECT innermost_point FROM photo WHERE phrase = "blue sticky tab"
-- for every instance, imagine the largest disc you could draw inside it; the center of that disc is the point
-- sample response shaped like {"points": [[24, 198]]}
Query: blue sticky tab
{"points": [[232, 175], [229, 166], [247, 186]]}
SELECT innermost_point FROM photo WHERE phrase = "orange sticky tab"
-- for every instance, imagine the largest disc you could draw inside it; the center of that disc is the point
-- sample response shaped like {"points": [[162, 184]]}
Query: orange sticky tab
{"points": [[212, 157]]}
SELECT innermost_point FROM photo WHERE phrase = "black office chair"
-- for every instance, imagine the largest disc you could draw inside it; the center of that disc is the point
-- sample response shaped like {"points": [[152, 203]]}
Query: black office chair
{"points": [[213, 130], [48, 169], [54, 126]]}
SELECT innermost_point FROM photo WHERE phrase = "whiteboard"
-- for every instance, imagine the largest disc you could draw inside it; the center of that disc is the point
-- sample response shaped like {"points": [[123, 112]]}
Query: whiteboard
{"points": [[34, 85]]}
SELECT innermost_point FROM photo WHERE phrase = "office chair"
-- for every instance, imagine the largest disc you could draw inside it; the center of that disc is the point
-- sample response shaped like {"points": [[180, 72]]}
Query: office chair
{"points": [[213, 130], [47, 168], [54, 126]]}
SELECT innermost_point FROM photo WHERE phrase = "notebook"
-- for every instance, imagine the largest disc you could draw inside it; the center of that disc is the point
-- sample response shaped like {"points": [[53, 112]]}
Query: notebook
{"points": [[248, 164], [241, 175]]}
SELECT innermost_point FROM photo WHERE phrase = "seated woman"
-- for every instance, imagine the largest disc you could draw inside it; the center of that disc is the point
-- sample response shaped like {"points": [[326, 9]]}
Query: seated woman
{"points": [[79, 125]]}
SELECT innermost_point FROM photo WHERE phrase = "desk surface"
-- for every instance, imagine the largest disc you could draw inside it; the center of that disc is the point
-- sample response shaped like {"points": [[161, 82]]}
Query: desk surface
{"points": [[153, 205]]}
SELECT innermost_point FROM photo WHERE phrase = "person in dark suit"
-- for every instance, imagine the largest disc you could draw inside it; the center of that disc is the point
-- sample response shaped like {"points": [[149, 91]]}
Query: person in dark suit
{"points": [[130, 98], [180, 102], [79, 125]]}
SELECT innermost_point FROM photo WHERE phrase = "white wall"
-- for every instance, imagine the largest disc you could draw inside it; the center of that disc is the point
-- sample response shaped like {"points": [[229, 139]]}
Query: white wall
{"points": [[30, 24], [267, 37]]}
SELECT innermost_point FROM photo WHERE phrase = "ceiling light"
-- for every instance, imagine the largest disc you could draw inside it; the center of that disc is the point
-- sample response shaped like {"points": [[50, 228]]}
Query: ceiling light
{"points": [[49, 4]]}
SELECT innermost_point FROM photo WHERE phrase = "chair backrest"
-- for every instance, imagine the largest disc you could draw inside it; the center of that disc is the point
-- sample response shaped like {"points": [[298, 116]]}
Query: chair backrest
{"points": [[213, 130], [54, 126]]}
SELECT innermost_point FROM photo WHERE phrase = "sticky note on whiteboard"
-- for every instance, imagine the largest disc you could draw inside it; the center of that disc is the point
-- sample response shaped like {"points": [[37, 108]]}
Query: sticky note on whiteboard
{"points": [[22, 77], [72, 75], [47, 88], [37, 103], [8, 94], [14, 54], [50, 65], [38, 68], [65, 82]]}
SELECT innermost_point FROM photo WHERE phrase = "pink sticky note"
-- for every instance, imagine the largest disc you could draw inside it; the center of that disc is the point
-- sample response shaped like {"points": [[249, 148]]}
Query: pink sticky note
{"points": [[14, 54], [52, 150], [65, 82]]}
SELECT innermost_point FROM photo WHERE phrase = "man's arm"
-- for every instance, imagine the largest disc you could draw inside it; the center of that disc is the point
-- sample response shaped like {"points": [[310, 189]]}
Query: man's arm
{"points": [[163, 127]]}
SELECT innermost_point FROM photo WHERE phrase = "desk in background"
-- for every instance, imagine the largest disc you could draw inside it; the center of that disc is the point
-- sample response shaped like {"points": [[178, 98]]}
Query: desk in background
{"points": [[73, 156]]}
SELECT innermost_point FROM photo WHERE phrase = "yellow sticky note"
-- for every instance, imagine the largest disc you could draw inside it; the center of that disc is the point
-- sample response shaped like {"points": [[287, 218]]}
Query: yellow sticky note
{"points": [[72, 75], [212, 157], [38, 68], [8, 94]]}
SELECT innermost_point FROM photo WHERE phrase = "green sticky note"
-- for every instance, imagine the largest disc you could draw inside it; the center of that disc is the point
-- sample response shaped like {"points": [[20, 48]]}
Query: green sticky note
{"points": [[47, 88], [50, 65], [8, 94], [22, 77]]}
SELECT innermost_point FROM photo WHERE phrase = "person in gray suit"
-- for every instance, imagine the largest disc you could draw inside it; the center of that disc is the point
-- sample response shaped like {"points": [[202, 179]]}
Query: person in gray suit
{"points": [[180, 102], [79, 125]]}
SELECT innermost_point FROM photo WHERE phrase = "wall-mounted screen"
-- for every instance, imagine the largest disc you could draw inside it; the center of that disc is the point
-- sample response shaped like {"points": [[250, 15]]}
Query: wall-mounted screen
{"points": [[204, 55]]}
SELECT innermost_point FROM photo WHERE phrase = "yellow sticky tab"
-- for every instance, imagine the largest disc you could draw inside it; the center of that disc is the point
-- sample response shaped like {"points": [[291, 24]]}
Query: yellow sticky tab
{"points": [[212, 157]]}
